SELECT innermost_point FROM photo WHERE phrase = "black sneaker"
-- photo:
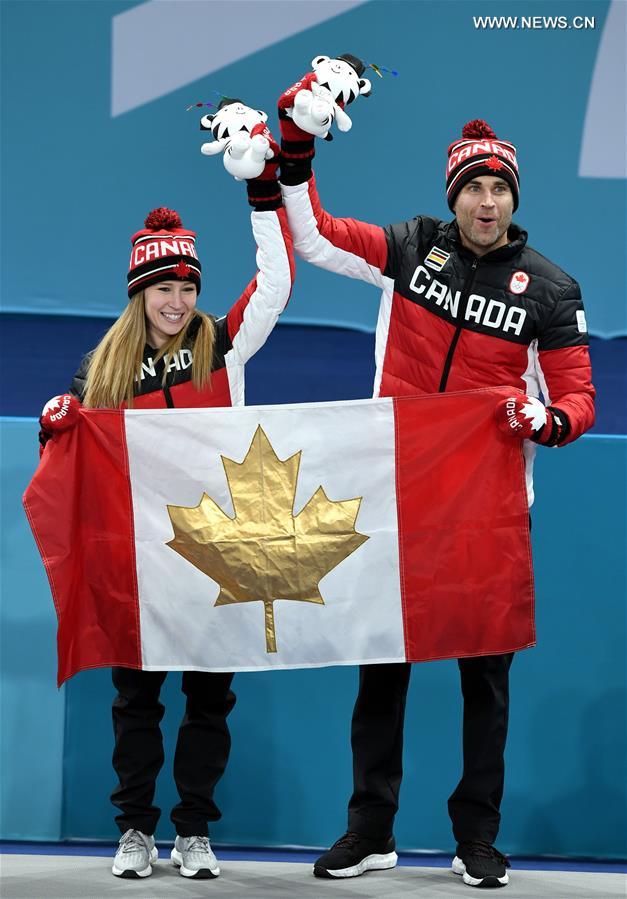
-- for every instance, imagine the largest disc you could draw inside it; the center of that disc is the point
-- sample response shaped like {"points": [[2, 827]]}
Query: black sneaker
{"points": [[481, 865], [354, 854]]}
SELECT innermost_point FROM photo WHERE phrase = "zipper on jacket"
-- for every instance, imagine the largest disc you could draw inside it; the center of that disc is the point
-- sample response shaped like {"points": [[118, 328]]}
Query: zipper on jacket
{"points": [[168, 396], [463, 303]]}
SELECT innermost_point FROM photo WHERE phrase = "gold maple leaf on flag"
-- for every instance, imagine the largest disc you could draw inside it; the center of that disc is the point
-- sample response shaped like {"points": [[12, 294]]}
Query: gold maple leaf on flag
{"points": [[265, 552]]}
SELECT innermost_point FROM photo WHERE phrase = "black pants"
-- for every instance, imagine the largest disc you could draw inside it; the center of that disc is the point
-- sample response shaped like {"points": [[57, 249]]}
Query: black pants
{"points": [[377, 740], [202, 748]]}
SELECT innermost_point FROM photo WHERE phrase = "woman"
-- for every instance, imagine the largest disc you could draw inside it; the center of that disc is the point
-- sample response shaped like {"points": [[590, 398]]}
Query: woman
{"points": [[164, 352]]}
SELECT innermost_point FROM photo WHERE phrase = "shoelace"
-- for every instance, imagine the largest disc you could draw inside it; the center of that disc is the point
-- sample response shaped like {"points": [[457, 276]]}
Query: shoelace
{"points": [[132, 841], [199, 844], [485, 850], [349, 839]]}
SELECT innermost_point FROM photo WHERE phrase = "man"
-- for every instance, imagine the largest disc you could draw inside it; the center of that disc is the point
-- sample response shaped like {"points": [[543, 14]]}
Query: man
{"points": [[465, 304]]}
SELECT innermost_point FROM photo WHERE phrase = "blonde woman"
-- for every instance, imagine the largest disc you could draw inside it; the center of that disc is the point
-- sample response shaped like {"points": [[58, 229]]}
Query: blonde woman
{"points": [[164, 352]]}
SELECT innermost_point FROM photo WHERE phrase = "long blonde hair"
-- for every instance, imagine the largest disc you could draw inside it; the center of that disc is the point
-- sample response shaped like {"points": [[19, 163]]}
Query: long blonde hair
{"points": [[117, 360]]}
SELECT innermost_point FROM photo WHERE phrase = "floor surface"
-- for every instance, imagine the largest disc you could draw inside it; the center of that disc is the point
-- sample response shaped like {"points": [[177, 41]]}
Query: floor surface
{"points": [[88, 877]]}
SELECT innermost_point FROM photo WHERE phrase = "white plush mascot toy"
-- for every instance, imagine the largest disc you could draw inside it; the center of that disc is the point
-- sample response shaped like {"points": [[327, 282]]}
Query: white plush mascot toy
{"points": [[319, 98], [242, 135]]}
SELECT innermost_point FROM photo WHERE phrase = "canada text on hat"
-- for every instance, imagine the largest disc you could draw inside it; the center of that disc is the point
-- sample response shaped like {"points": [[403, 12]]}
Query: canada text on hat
{"points": [[164, 251]]}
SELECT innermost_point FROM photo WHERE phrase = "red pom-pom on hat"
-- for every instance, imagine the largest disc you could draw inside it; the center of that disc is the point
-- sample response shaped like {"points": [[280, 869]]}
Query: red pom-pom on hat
{"points": [[163, 219], [479, 130]]}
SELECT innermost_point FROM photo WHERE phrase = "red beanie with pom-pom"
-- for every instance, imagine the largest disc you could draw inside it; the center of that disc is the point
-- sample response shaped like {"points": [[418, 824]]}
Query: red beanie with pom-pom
{"points": [[480, 152], [163, 251]]}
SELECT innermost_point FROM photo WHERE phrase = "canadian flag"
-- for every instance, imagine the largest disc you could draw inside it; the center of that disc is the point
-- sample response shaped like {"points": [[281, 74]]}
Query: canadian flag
{"points": [[384, 530]]}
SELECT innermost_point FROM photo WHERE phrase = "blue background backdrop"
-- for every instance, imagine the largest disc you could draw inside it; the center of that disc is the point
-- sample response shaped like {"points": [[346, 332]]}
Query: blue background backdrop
{"points": [[78, 180]]}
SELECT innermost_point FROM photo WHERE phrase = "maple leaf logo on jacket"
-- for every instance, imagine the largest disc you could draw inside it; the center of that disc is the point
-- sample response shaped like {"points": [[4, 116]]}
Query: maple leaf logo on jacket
{"points": [[519, 282], [266, 553]]}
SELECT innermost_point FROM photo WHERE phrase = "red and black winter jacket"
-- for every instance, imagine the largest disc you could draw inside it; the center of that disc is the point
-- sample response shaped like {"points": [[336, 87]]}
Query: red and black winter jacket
{"points": [[239, 334], [449, 320]]}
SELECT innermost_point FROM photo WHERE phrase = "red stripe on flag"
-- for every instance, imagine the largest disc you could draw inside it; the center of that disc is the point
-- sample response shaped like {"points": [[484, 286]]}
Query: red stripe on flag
{"points": [[464, 547], [80, 509]]}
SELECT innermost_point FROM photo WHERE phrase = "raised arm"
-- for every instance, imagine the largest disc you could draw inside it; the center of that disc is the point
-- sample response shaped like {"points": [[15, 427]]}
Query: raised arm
{"points": [[250, 320], [254, 314], [342, 245]]}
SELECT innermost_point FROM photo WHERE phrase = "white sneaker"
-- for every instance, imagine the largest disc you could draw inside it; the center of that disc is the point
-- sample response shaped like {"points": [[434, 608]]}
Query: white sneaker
{"points": [[194, 858], [135, 854]]}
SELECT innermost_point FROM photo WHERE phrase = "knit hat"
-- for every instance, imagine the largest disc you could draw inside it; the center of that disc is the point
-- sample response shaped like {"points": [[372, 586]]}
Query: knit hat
{"points": [[164, 251], [480, 152]]}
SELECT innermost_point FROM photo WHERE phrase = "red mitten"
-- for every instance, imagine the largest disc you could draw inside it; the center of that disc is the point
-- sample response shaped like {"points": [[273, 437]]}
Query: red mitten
{"points": [[264, 191], [526, 417], [297, 146], [60, 413]]}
